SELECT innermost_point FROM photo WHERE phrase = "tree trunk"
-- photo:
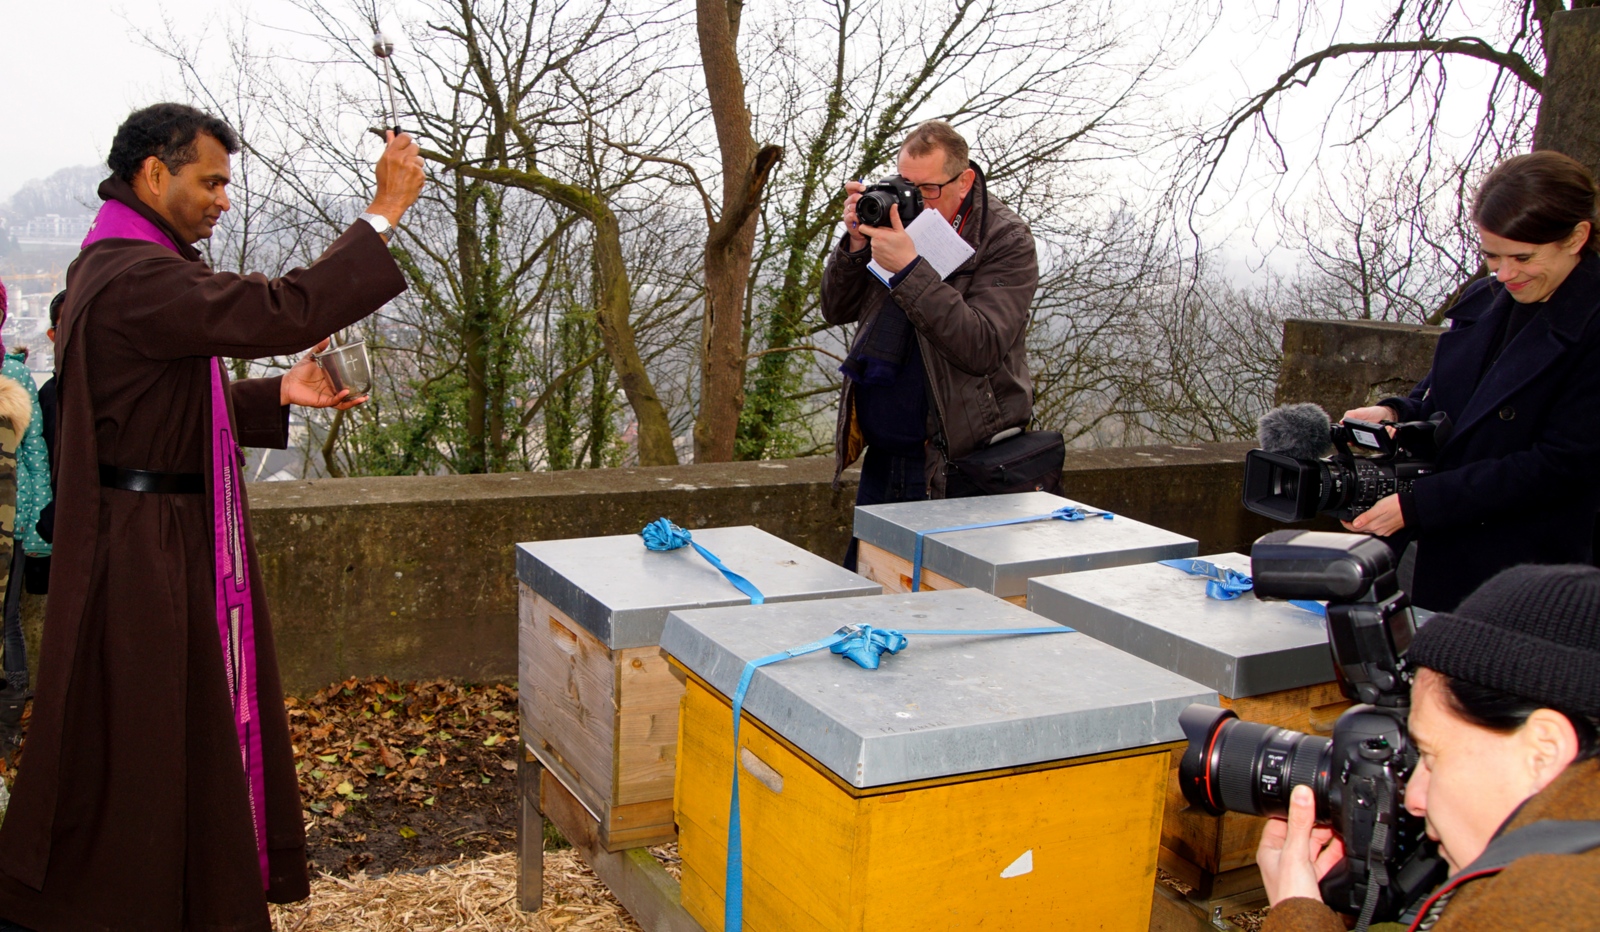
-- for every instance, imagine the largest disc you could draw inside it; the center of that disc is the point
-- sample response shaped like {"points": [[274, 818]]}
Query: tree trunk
{"points": [[731, 237], [613, 305], [613, 299], [474, 336], [1569, 113]]}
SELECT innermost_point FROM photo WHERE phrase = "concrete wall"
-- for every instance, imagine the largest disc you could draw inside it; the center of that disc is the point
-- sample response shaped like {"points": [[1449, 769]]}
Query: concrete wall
{"points": [[1344, 364], [413, 577]]}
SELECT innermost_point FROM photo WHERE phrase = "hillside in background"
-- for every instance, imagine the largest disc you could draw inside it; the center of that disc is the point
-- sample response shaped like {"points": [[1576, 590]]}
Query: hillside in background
{"points": [[53, 209]]}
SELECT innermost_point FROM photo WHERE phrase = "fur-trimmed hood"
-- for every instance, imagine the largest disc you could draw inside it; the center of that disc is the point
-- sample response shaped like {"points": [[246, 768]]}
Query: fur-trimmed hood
{"points": [[17, 407]]}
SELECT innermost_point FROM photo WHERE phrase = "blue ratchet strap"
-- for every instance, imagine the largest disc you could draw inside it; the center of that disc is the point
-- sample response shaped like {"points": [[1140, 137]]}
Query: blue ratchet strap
{"points": [[662, 535], [1225, 584], [1067, 513], [863, 644]]}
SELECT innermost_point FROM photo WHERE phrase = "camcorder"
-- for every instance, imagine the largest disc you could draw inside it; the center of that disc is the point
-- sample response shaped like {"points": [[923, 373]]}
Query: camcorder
{"points": [[1289, 478], [1358, 775], [873, 207]]}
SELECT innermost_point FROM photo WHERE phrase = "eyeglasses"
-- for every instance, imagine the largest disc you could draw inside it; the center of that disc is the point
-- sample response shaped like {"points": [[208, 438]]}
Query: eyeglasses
{"points": [[931, 192]]}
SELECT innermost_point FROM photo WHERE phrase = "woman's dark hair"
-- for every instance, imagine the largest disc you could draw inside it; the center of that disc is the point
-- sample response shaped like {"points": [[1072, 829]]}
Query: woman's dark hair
{"points": [[166, 131], [1503, 712], [1539, 198]]}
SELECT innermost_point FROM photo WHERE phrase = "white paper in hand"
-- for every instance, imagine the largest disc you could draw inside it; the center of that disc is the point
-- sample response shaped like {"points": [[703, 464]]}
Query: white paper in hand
{"points": [[937, 243]]}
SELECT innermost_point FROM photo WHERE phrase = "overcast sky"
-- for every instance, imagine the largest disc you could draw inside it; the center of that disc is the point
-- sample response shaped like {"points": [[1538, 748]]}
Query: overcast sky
{"points": [[71, 70], [68, 75]]}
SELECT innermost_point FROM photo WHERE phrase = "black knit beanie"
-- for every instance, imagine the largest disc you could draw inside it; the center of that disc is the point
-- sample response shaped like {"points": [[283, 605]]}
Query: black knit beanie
{"points": [[1531, 631]]}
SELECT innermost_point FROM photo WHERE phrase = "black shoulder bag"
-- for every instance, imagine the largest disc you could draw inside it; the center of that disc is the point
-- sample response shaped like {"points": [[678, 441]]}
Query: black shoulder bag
{"points": [[1027, 461]]}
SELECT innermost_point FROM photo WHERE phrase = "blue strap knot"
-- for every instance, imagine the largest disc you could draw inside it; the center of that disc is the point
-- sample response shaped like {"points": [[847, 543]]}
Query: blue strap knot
{"points": [[662, 535], [866, 645], [1226, 584], [1064, 513]]}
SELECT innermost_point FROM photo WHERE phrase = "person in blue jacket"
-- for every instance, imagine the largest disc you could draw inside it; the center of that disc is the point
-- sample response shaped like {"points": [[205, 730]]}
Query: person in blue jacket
{"points": [[1518, 373], [33, 493]]}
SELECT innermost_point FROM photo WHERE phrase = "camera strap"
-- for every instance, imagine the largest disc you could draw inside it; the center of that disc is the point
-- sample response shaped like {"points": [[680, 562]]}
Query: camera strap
{"points": [[1377, 863]]}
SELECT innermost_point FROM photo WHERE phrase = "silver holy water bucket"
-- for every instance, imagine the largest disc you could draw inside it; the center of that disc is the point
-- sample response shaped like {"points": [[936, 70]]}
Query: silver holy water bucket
{"points": [[347, 367]]}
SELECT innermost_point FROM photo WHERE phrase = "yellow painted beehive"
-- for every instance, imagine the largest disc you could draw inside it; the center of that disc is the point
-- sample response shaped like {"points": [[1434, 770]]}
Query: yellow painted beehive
{"points": [[1268, 660], [993, 782]]}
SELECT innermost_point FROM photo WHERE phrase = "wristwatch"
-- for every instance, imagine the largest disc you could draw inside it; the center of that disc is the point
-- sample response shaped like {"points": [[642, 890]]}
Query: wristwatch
{"points": [[380, 223]]}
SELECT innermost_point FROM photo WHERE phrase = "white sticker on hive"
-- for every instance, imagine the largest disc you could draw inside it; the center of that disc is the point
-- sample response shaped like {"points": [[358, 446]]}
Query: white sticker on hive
{"points": [[1022, 865]]}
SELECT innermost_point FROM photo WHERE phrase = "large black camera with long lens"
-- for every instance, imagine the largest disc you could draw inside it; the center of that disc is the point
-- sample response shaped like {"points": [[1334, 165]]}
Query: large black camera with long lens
{"points": [[873, 208], [1359, 774], [1289, 479]]}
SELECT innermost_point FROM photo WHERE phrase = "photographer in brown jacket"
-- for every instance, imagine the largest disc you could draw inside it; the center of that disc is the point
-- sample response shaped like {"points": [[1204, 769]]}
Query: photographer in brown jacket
{"points": [[1504, 713], [939, 365]]}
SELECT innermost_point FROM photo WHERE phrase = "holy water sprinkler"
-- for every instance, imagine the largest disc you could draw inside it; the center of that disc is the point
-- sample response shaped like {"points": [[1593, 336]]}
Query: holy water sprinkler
{"points": [[384, 49]]}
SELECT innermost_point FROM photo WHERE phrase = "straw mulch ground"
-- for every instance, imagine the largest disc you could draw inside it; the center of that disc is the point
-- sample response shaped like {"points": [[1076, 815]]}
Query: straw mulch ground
{"points": [[467, 895]]}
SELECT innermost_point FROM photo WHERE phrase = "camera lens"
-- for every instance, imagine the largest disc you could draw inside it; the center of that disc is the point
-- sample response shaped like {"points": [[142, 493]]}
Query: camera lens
{"points": [[873, 208], [1236, 766]]}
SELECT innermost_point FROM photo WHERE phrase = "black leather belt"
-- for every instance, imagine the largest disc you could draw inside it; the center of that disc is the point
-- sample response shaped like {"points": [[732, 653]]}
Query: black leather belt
{"points": [[143, 480]]}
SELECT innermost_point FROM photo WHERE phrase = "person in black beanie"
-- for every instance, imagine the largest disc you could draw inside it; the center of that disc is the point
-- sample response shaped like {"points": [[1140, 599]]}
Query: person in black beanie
{"points": [[1506, 715]]}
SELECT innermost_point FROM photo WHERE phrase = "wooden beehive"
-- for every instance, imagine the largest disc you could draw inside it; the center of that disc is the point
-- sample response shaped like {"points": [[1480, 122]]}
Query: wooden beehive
{"points": [[1000, 560], [598, 704], [1268, 661], [983, 782]]}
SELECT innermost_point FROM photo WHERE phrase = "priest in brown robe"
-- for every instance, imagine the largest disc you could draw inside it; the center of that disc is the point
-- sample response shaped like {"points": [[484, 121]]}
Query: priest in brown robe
{"points": [[157, 787]]}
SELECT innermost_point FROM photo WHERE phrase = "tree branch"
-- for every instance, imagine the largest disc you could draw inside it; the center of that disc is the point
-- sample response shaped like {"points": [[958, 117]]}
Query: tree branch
{"points": [[694, 176], [537, 404]]}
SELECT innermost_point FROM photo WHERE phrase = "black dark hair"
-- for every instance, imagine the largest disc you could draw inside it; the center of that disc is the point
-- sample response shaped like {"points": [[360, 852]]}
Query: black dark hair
{"points": [[55, 308], [166, 131], [1539, 198], [1498, 710]]}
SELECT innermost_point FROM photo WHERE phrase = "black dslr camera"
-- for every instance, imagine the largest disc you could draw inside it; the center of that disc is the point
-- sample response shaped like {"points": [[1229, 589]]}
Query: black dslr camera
{"points": [[873, 208], [1359, 775], [1288, 479]]}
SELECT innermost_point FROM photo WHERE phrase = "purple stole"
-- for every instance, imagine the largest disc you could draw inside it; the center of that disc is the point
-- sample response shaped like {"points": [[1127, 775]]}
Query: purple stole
{"points": [[234, 608]]}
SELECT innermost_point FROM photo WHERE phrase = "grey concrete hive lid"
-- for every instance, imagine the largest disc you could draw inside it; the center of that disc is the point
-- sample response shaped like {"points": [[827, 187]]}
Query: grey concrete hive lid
{"points": [[621, 591], [1244, 647], [1000, 560], [943, 706]]}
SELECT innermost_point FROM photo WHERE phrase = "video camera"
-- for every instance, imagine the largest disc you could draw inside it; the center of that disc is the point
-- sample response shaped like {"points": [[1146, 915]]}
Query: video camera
{"points": [[1289, 479], [873, 207], [1359, 775]]}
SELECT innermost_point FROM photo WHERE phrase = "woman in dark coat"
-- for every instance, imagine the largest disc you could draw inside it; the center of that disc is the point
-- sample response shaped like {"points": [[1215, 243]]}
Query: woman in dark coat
{"points": [[1518, 480]]}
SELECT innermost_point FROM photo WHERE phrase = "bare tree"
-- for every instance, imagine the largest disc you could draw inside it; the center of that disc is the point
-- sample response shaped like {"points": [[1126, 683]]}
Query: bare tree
{"points": [[1045, 90], [1545, 62]]}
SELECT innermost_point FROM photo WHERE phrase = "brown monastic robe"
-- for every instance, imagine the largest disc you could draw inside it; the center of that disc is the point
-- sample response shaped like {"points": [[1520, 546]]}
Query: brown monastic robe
{"points": [[131, 807]]}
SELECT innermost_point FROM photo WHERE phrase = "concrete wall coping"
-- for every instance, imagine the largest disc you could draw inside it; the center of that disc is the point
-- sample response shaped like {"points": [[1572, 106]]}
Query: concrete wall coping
{"points": [[454, 489], [1391, 326], [450, 490]]}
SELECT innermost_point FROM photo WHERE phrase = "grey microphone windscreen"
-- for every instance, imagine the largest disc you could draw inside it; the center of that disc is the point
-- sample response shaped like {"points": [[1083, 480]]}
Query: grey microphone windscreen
{"points": [[1300, 431]]}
